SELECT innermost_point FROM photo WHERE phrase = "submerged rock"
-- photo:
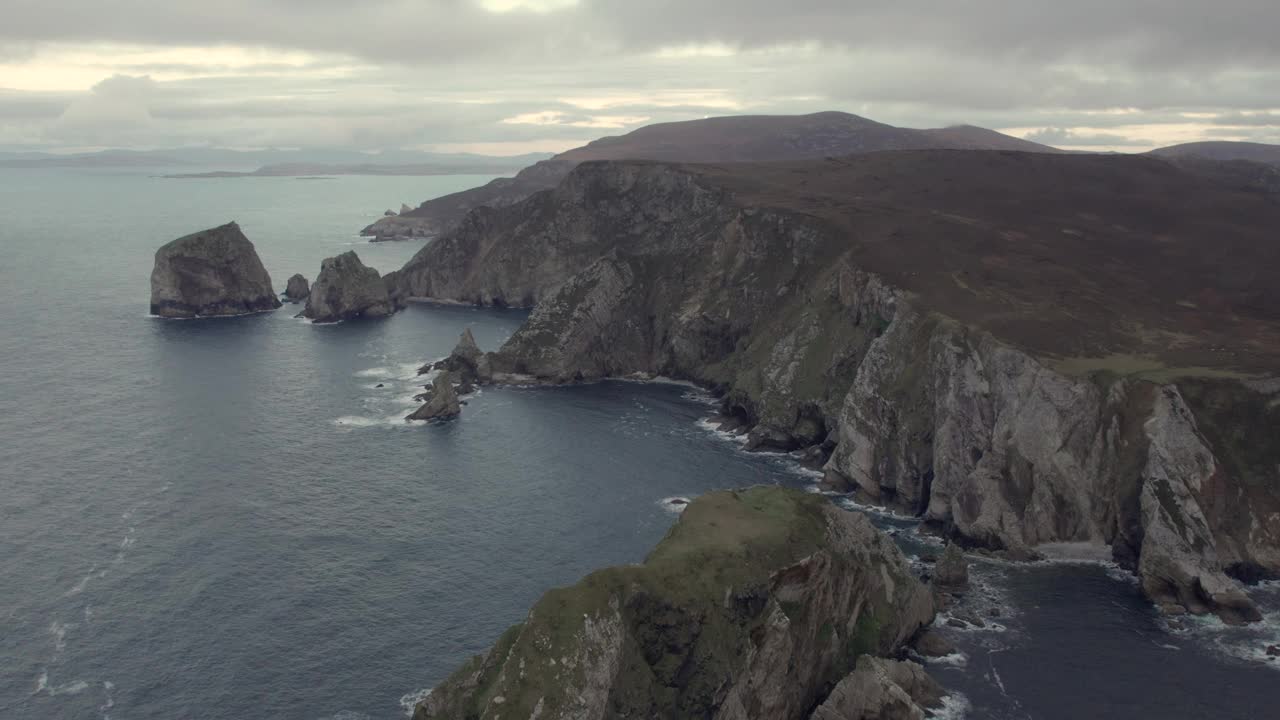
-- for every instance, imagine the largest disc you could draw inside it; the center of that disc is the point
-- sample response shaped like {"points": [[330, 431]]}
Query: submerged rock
{"points": [[210, 273], [298, 289], [347, 289], [443, 402], [952, 570], [755, 604], [882, 689]]}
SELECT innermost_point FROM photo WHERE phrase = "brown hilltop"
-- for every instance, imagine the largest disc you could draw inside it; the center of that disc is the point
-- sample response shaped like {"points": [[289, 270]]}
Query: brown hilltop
{"points": [[742, 138]]}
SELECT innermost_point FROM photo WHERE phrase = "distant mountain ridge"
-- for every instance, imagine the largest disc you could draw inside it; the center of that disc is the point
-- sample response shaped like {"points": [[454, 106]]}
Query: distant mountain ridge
{"points": [[1224, 151], [238, 160], [742, 138]]}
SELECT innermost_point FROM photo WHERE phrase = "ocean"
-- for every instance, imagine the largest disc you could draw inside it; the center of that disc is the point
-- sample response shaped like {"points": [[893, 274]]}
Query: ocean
{"points": [[228, 518]]}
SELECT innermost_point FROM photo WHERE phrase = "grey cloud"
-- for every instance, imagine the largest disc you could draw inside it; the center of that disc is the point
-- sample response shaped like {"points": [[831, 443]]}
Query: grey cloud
{"points": [[1063, 137]]}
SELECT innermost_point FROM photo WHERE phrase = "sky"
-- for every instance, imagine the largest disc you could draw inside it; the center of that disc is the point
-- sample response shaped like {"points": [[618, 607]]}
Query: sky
{"points": [[514, 76]]}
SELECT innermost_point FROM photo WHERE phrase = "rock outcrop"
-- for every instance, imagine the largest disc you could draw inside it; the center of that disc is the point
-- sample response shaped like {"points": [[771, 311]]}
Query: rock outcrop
{"points": [[755, 604], [346, 289], [210, 273], [298, 289], [443, 402], [1005, 414], [951, 570], [467, 363], [882, 689]]}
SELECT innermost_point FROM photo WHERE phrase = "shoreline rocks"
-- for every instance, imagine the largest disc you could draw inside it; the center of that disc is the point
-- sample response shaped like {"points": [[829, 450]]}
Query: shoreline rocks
{"points": [[951, 572], [347, 289], [211, 273]]}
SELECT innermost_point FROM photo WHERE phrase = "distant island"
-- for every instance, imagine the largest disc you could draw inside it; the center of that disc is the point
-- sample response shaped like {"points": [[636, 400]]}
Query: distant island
{"points": [[313, 171]]}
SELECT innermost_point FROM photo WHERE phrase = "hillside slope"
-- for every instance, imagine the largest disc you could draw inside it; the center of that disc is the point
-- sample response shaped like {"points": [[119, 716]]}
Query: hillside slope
{"points": [[747, 138]]}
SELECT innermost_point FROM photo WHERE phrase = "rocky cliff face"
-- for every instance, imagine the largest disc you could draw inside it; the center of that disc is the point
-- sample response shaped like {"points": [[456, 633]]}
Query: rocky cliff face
{"points": [[346, 289], [209, 273], [646, 268], [754, 606]]}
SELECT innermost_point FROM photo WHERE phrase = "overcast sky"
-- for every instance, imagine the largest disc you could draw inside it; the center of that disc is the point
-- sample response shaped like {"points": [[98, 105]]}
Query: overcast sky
{"points": [[512, 76]]}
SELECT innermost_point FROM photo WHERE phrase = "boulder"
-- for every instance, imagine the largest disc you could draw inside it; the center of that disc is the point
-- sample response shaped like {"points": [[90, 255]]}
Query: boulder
{"points": [[443, 403], [951, 570], [389, 213], [210, 273], [1273, 651], [882, 689], [347, 289], [930, 643], [754, 604], [298, 289]]}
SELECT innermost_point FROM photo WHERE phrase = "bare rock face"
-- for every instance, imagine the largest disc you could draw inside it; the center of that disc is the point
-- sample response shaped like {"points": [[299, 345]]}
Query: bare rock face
{"points": [[753, 606], [660, 270], [298, 289], [443, 403], [405, 209], [210, 273], [881, 689], [347, 289], [952, 570]]}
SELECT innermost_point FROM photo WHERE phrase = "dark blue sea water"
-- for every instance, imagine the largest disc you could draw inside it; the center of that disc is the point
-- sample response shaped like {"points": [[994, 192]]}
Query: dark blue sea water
{"points": [[227, 519]]}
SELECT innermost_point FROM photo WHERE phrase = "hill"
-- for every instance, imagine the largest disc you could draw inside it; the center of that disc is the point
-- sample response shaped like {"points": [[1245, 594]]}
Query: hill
{"points": [[746, 138]]}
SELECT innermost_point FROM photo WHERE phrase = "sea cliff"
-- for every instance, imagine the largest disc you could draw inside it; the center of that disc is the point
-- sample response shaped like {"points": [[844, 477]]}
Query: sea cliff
{"points": [[938, 347]]}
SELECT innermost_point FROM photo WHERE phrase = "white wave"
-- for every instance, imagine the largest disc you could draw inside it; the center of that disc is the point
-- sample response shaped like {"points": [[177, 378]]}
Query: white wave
{"points": [[711, 427], [410, 700], [849, 503], [955, 659], [362, 421], [84, 582], [72, 688], [674, 504], [59, 632], [954, 707]]}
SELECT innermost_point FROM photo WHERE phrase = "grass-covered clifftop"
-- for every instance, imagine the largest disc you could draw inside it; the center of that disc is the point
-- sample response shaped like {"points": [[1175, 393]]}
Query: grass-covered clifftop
{"points": [[755, 605]]}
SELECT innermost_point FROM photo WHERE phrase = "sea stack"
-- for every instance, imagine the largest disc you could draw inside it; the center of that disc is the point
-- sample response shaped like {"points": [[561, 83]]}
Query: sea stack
{"points": [[215, 272], [346, 289], [298, 289], [443, 403]]}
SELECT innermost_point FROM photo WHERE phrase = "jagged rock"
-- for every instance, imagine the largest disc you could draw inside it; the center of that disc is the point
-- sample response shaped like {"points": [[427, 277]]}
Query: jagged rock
{"points": [[347, 289], [443, 403], [952, 569], [209, 273], [389, 213], [930, 643], [882, 689], [404, 209], [1273, 651], [753, 605], [467, 362], [298, 289]]}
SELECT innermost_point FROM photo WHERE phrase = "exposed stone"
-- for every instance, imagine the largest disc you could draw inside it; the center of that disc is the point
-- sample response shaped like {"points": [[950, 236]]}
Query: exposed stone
{"points": [[443, 403], [881, 689], [1273, 651], [405, 209], [210, 273], [952, 569], [298, 289], [753, 606], [346, 289], [930, 643]]}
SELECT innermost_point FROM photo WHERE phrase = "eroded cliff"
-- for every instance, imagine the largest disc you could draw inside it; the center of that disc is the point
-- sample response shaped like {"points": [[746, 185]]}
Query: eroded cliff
{"points": [[1013, 370]]}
